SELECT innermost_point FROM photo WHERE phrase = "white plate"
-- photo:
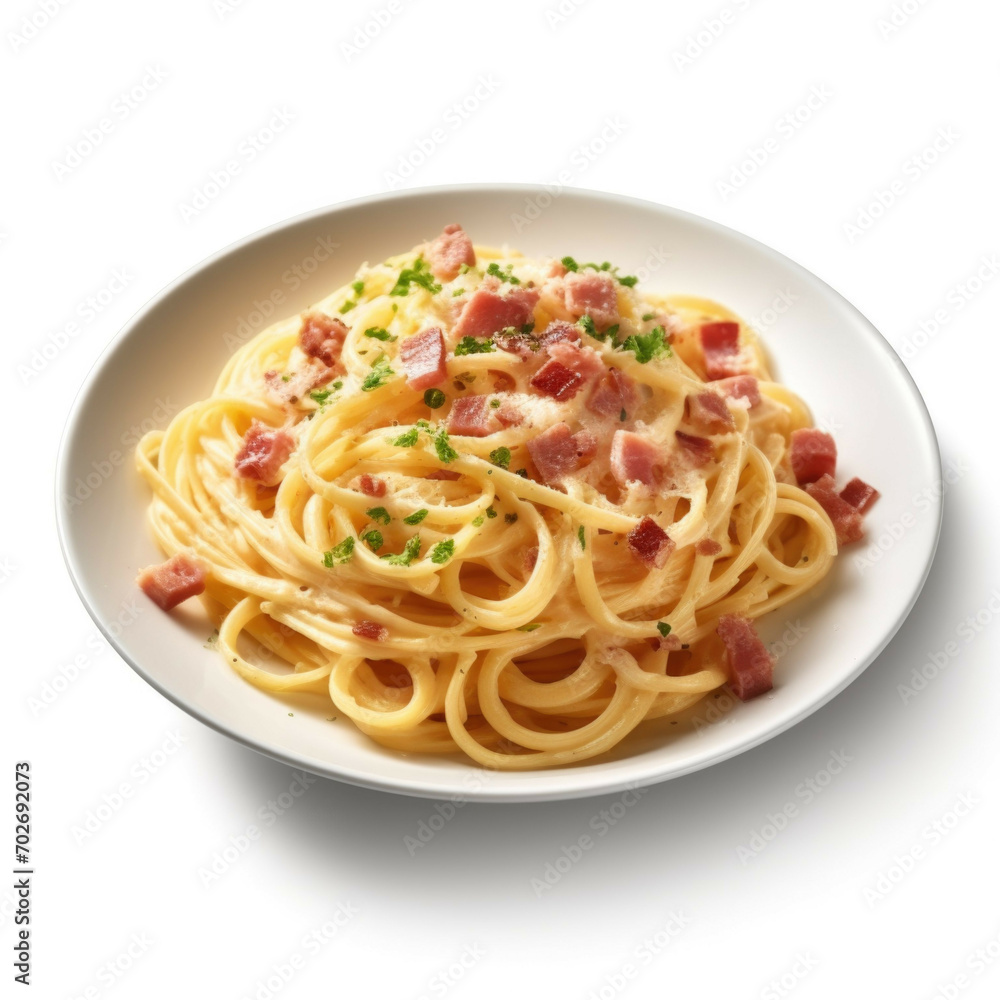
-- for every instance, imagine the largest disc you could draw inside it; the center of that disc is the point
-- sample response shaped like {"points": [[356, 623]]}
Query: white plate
{"points": [[172, 351]]}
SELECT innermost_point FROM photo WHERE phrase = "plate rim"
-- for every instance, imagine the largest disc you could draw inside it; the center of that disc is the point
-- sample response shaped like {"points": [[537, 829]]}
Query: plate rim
{"points": [[427, 789]]}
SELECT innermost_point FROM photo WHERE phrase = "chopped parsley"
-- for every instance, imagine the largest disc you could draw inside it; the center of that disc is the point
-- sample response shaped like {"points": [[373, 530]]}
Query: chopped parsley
{"points": [[490, 512], [458, 291], [358, 286], [443, 551], [570, 264], [464, 269], [663, 628], [469, 345], [629, 281], [530, 628], [379, 514], [505, 274], [501, 457], [348, 306], [378, 376], [416, 517], [648, 345], [407, 440], [648, 316], [510, 518], [477, 522], [379, 333], [410, 552], [495, 404], [444, 450], [339, 554], [582, 535], [434, 398], [419, 274], [322, 395], [587, 325], [372, 538], [523, 473]]}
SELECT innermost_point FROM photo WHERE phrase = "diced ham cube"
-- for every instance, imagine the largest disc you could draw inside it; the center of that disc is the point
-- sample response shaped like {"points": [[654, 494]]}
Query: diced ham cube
{"points": [[709, 413], [697, 450], [650, 544], [584, 361], [179, 578], [612, 395], [423, 359], [471, 416], [635, 458], [593, 294], [708, 547], [293, 386], [846, 519], [859, 495], [556, 452], [371, 486], [559, 331], [742, 388], [556, 380], [367, 629], [449, 252], [322, 337], [263, 453], [720, 343], [751, 666], [813, 454], [488, 311]]}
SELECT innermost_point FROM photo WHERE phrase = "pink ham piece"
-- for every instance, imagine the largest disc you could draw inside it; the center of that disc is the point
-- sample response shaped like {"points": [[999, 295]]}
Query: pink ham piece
{"points": [[322, 337], [614, 394], [813, 454], [509, 415], [530, 558], [263, 453], [556, 380], [488, 312], [650, 544], [367, 629], [708, 547], [720, 343], [292, 386], [179, 578], [423, 359], [697, 450], [751, 666], [846, 519], [558, 332], [635, 458], [742, 388], [584, 361], [471, 416], [593, 294], [524, 345], [449, 252], [671, 643], [556, 452], [370, 485], [709, 413], [859, 495]]}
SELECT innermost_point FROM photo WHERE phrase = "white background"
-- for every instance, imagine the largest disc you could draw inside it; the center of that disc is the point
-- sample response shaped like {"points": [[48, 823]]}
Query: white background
{"points": [[822, 909]]}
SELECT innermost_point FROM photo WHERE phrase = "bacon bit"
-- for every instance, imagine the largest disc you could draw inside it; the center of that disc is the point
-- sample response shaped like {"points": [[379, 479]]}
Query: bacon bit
{"points": [[671, 643], [371, 486], [556, 269], [557, 452], [169, 583], [720, 343], [446, 474], [530, 558], [650, 544], [488, 312], [742, 389], [509, 415], [708, 547], [558, 332], [859, 495], [502, 381], [291, 387], [556, 380], [423, 359], [751, 666], [635, 458], [709, 413], [449, 252], [366, 629], [471, 416], [593, 294], [846, 520], [614, 393], [322, 337], [584, 361], [698, 449], [813, 454], [263, 453]]}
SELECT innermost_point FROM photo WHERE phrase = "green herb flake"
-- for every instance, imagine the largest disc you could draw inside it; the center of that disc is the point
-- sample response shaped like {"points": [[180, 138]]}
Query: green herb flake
{"points": [[495, 404], [442, 446], [491, 512], [419, 274], [469, 345], [582, 535], [570, 264], [443, 551], [464, 269], [458, 291], [339, 554], [348, 306], [379, 514], [503, 275], [510, 518], [407, 440], [378, 376], [380, 333], [321, 395], [629, 280], [478, 522], [647, 346], [530, 628], [587, 325], [501, 457], [434, 398], [372, 538], [663, 628], [416, 517], [648, 316], [358, 286], [523, 473], [410, 552]]}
